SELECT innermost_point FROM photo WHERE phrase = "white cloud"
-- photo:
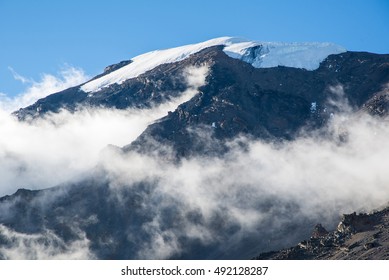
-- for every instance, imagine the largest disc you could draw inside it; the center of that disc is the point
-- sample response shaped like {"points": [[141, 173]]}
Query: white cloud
{"points": [[44, 246], [19, 77], [69, 76]]}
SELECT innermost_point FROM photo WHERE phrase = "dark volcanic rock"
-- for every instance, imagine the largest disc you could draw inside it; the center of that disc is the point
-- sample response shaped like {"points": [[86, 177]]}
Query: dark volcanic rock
{"points": [[319, 231], [378, 105], [267, 103], [114, 67], [358, 236]]}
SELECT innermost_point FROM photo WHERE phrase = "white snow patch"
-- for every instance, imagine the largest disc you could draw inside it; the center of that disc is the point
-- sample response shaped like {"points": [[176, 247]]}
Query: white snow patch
{"points": [[266, 54], [313, 107]]}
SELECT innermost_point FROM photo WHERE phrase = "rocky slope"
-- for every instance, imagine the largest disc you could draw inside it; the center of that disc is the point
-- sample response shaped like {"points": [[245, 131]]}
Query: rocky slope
{"points": [[274, 103], [357, 237]]}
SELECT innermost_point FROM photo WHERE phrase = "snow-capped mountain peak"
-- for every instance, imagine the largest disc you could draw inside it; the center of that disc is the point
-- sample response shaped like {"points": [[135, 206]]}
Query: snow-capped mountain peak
{"points": [[259, 54]]}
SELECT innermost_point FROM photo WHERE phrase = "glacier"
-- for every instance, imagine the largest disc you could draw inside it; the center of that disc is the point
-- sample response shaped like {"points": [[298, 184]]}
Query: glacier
{"points": [[259, 54]]}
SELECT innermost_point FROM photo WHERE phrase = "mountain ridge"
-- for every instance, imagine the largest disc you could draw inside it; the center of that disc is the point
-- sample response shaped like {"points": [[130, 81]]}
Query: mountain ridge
{"points": [[116, 213]]}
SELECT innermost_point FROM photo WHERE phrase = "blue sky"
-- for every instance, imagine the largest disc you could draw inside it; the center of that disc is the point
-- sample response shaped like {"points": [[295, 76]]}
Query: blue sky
{"points": [[44, 36]]}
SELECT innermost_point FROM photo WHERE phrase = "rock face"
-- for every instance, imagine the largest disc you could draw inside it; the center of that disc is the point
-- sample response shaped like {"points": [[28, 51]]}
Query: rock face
{"points": [[116, 66], [358, 236], [319, 231], [273, 104]]}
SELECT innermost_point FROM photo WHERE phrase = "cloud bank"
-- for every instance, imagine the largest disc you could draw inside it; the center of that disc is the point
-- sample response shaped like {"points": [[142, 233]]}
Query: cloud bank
{"points": [[62, 146], [260, 198]]}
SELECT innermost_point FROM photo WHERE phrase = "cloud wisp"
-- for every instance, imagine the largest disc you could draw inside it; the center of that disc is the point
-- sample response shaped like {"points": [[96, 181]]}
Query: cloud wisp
{"points": [[46, 245], [67, 77]]}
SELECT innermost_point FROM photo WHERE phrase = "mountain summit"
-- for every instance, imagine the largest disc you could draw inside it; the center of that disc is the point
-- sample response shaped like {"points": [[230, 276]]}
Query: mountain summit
{"points": [[258, 54]]}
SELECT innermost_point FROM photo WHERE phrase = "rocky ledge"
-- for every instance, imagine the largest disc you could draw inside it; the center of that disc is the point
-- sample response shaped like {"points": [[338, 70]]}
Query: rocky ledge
{"points": [[357, 237]]}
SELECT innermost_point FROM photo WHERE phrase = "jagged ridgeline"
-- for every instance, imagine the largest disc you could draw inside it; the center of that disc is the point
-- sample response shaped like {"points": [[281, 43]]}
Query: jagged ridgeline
{"points": [[264, 141]]}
